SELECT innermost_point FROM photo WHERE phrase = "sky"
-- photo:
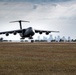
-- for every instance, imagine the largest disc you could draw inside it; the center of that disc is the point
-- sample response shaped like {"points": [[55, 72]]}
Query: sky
{"points": [[57, 15]]}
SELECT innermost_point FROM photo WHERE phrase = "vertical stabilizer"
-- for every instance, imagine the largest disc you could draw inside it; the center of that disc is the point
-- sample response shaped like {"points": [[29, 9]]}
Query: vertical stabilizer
{"points": [[19, 22]]}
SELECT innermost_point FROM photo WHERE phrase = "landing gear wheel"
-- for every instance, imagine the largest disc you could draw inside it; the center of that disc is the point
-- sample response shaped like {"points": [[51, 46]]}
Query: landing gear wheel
{"points": [[30, 37]]}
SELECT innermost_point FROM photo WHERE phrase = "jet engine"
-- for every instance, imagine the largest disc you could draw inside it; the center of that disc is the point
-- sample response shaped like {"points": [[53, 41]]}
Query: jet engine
{"points": [[47, 33], [40, 32], [7, 34], [14, 33]]}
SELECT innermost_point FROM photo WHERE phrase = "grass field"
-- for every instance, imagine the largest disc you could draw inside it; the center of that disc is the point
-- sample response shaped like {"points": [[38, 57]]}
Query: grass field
{"points": [[37, 58]]}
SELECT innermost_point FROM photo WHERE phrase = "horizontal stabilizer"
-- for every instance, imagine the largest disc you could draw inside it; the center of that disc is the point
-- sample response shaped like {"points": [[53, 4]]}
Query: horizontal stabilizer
{"points": [[19, 21]]}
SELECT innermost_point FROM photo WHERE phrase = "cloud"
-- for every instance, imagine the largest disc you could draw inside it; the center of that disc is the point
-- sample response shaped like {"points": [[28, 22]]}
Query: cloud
{"points": [[35, 1], [48, 16]]}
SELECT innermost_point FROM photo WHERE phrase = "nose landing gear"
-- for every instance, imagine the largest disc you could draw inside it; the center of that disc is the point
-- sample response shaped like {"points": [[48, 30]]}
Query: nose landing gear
{"points": [[30, 37]]}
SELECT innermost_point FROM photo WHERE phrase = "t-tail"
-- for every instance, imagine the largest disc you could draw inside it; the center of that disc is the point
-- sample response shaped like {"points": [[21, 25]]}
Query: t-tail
{"points": [[19, 22]]}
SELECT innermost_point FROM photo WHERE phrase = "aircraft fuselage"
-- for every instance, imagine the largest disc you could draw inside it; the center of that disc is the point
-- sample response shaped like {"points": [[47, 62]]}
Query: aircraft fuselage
{"points": [[29, 32]]}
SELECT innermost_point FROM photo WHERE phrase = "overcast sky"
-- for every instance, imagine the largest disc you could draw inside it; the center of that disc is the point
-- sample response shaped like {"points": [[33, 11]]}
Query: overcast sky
{"points": [[57, 15]]}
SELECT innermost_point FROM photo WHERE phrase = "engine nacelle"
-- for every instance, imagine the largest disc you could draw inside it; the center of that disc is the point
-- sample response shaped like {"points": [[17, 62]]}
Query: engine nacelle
{"points": [[40, 32], [14, 33], [36, 31], [47, 33], [7, 34]]}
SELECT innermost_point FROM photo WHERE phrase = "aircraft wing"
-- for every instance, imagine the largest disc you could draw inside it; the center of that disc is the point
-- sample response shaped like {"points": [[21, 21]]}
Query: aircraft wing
{"points": [[10, 32], [44, 31]]}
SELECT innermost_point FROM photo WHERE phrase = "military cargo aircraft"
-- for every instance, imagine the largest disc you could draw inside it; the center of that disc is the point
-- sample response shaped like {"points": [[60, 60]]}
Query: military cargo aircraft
{"points": [[25, 33]]}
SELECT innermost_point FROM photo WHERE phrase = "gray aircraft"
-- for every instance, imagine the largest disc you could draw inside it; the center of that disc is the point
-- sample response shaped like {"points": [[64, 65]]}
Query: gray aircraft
{"points": [[25, 33]]}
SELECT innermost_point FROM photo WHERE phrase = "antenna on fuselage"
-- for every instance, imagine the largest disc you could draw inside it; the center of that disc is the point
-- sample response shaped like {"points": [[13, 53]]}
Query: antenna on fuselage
{"points": [[19, 22]]}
